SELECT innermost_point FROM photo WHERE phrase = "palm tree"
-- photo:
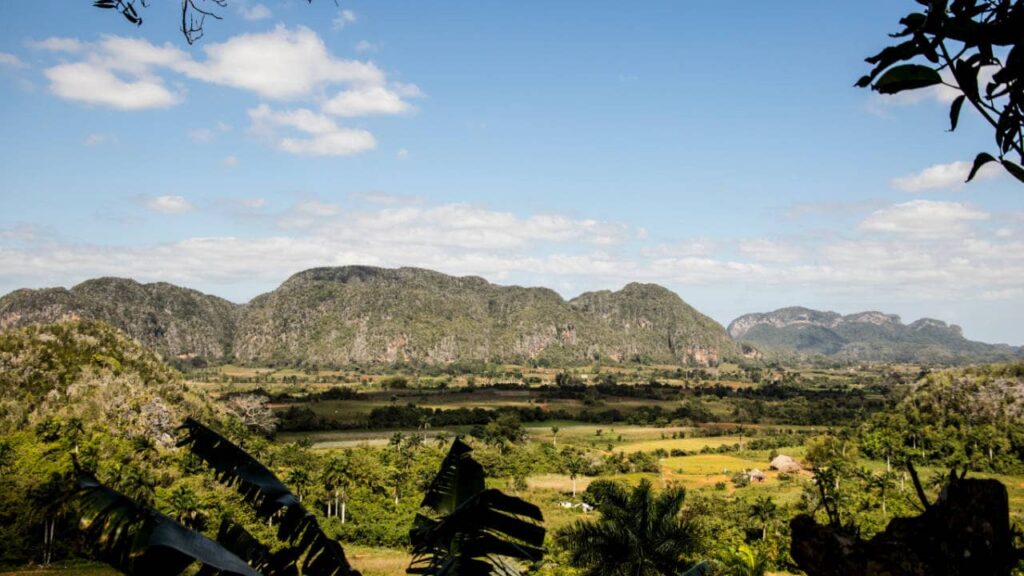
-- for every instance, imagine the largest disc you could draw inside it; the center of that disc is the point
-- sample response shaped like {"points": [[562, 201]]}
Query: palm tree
{"points": [[574, 464], [763, 509], [554, 436], [640, 533]]}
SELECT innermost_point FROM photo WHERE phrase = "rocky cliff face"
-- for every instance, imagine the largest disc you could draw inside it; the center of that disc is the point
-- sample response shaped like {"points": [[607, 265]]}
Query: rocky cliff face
{"points": [[336, 316], [179, 323], [864, 336], [359, 314]]}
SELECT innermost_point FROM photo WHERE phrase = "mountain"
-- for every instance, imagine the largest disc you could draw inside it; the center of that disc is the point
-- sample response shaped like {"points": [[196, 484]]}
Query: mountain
{"points": [[332, 316], [361, 314], [178, 323], [865, 336]]}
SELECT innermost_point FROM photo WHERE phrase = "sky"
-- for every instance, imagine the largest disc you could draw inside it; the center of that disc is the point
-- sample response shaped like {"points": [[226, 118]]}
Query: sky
{"points": [[718, 149]]}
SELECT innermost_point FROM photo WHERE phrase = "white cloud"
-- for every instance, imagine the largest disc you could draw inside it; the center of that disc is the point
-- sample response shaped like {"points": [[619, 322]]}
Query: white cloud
{"points": [[924, 219], [202, 135], [230, 161], [281, 64], [402, 154], [167, 204], [94, 84], [943, 176], [55, 44], [374, 100], [770, 251], [384, 198], [98, 139], [320, 135], [539, 248], [252, 203], [257, 12], [344, 18], [364, 47], [11, 61]]}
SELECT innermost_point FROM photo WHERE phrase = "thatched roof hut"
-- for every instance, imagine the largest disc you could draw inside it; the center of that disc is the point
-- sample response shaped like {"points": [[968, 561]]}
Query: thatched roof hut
{"points": [[784, 463]]}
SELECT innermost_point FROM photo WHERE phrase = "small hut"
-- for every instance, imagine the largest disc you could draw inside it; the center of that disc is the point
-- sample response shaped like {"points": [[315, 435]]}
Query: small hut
{"points": [[784, 463], [755, 475]]}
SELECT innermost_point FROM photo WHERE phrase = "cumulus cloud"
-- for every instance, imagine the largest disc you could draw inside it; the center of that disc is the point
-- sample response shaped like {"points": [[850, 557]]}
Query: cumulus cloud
{"points": [[924, 219], [55, 44], [343, 19], [167, 204], [364, 46], [374, 100], [770, 251], [94, 84], [384, 198], [8, 60], [549, 249], [282, 64], [257, 12], [311, 134], [943, 176]]}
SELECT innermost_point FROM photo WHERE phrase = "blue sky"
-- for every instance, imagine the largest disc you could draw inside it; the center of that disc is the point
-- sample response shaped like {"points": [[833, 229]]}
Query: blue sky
{"points": [[716, 148]]}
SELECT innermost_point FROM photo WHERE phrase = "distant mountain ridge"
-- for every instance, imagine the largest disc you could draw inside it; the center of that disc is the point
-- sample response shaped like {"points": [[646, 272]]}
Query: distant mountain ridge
{"points": [[864, 336], [362, 314]]}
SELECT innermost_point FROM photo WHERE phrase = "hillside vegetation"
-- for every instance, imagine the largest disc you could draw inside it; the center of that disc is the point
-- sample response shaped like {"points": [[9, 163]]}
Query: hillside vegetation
{"points": [[865, 336], [360, 314]]}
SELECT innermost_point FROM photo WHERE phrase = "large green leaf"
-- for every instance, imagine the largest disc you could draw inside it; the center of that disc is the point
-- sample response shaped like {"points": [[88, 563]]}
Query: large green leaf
{"points": [[906, 77], [271, 499], [137, 539], [476, 531]]}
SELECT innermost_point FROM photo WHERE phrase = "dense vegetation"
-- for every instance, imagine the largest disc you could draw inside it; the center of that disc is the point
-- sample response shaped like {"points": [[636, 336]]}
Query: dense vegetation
{"points": [[82, 390]]}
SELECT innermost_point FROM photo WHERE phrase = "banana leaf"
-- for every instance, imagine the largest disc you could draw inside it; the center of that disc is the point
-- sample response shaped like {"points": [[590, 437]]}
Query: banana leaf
{"points": [[475, 531], [271, 500], [138, 540]]}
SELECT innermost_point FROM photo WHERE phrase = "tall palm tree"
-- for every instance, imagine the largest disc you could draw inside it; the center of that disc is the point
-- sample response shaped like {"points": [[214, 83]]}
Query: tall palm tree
{"points": [[763, 509], [640, 533]]}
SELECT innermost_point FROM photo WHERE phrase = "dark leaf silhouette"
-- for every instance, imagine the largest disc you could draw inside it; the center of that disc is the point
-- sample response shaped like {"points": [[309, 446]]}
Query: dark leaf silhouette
{"points": [[907, 77], [270, 498], [475, 531], [137, 539]]}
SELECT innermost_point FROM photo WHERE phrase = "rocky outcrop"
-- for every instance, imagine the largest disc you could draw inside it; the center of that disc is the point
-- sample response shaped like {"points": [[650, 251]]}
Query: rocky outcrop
{"points": [[864, 336]]}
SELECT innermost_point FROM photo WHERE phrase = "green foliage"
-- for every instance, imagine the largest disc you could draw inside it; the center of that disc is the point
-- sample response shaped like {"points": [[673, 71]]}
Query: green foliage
{"points": [[639, 533], [971, 419], [137, 539], [964, 39]]}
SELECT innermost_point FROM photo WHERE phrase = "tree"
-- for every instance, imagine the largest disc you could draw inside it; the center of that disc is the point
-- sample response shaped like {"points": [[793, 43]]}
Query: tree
{"points": [[254, 411], [962, 42], [554, 435], [763, 510], [639, 534], [574, 464]]}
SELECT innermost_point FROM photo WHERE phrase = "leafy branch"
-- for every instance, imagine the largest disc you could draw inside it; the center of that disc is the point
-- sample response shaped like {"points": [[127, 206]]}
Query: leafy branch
{"points": [[962, 38]]}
